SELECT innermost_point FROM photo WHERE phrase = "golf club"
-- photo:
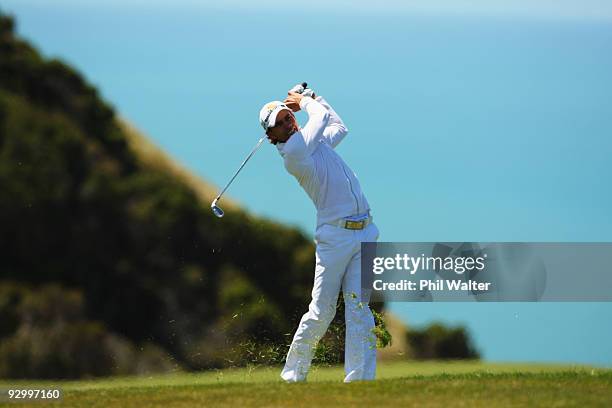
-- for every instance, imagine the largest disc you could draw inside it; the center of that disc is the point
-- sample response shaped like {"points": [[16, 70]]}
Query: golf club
{"points": [[215, 208]]}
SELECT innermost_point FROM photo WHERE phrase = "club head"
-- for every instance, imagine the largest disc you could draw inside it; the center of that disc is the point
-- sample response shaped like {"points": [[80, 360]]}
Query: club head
{"points": [[216, 209]]}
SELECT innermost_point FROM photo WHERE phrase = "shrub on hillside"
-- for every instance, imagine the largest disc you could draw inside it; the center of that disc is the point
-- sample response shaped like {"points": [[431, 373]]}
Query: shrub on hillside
{"points": [[441, 342], [54, 340]]}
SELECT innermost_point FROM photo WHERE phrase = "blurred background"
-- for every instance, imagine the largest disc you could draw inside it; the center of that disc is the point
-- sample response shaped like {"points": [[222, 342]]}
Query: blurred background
{"points": [[469, 121]]}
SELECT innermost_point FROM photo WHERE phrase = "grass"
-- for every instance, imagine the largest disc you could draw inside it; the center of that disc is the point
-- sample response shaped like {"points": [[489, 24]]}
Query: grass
{"points": [[152, 156], [470, 384]]}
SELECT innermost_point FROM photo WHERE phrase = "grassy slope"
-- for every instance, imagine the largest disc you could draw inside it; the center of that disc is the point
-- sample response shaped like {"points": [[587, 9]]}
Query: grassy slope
{"points": [[401, 383], [152, 156]]}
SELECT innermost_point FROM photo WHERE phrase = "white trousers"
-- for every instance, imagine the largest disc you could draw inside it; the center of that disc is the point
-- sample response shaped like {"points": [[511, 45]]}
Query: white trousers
{"points": [[338, 265]]}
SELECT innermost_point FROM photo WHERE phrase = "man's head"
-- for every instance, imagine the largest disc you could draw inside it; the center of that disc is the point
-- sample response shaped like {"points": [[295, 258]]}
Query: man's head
{"points": [[278, 121]]}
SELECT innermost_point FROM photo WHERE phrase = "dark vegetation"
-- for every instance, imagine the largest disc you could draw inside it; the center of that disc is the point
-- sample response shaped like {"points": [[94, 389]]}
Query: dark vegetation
{"points": [[98, 248], [437, 341]]}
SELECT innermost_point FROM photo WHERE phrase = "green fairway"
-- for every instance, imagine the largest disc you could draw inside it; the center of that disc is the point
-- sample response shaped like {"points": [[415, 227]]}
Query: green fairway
{"points": [[403, 383]]}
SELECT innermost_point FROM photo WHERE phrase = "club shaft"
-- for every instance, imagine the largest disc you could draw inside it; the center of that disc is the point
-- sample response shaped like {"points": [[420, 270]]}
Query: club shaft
{"points": [[241, 166]]}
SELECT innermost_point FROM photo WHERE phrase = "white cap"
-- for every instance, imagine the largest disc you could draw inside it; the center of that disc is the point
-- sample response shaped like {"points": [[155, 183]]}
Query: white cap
{"points": [[267, 114]]}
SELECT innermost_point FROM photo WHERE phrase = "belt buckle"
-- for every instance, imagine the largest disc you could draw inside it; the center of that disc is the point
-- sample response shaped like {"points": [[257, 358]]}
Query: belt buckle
{"points": [[354, 225]]}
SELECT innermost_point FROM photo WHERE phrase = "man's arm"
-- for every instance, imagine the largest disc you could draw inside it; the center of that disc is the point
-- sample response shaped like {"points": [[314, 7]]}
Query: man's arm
{"points": [[336, 130], [304, 142]]}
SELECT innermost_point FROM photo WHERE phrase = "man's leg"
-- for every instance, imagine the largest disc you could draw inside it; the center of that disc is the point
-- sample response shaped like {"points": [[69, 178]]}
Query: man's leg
{"points": [[332, 257], [360, 346]]}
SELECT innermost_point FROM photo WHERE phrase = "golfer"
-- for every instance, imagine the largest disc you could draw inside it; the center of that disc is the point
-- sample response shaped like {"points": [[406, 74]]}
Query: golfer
{"points": [[343, 222]]}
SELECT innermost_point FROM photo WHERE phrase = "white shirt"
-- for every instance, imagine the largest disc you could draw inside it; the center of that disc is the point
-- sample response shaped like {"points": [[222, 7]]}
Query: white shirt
{"points": [[310, 157]]}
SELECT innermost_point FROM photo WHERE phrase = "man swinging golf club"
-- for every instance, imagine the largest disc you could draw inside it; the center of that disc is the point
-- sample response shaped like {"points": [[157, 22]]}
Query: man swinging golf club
{"points": [[343, 222]]}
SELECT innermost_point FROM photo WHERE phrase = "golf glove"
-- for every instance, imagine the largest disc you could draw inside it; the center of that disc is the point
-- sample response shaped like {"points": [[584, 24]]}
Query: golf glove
{"points": [[299, 88]]}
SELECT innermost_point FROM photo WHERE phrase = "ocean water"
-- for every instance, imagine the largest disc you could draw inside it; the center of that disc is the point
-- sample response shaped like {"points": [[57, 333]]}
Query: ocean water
{"points": [[461, 128]]}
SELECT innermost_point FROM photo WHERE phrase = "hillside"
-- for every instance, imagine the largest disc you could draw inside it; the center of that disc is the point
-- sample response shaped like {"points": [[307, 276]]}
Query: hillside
{"points": [[153, 157], [112, 261]]}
